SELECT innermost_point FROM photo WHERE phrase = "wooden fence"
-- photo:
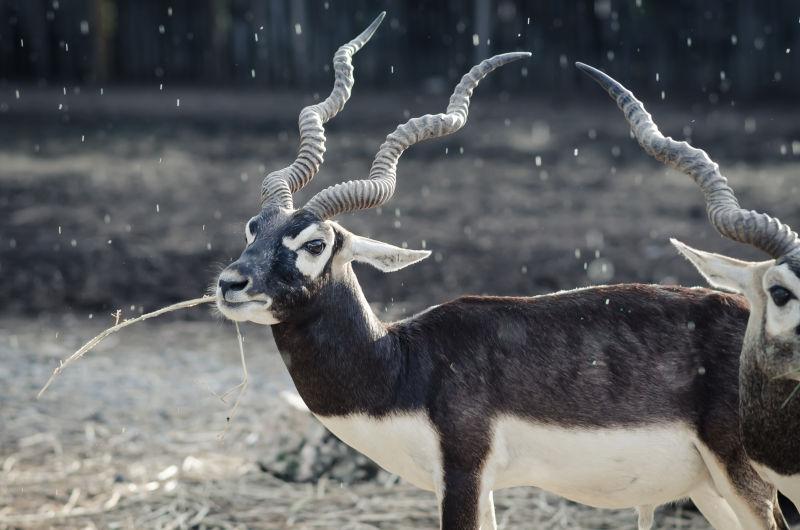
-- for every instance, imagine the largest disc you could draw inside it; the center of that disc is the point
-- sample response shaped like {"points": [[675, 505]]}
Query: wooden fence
{"points": [[742, 49]]}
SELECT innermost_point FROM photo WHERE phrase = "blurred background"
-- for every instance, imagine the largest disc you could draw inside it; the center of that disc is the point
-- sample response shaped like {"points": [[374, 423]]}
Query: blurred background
{"points": [[133, 139]]}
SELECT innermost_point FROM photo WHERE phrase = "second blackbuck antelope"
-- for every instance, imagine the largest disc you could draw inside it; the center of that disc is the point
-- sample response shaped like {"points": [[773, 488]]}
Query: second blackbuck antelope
{"points": [[607, 396], [770, 352]]}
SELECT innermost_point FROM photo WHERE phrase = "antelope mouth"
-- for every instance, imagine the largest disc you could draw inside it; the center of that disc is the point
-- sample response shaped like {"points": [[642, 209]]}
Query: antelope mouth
{"points": [[246, 310]]}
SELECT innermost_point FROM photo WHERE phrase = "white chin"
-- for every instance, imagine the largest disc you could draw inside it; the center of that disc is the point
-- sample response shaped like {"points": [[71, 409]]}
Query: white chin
{"points": [[248, 312]]}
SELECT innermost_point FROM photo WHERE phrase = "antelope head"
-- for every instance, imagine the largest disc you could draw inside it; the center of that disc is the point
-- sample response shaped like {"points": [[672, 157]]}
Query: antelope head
{"points": [[293, 254], [771, 287]]}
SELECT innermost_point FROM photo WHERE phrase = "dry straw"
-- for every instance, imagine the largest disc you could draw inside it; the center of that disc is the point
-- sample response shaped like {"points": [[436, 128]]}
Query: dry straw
{"points": [[239, 389], [124, 324]]}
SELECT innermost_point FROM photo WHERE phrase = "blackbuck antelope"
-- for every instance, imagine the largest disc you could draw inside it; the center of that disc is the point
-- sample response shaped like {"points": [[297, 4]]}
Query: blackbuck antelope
{"points": [[770, 353], [607, 395]]}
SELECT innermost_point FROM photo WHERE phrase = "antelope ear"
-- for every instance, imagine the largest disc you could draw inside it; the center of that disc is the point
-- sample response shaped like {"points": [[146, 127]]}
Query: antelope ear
{"points": [[383, 256], [719, 271]]}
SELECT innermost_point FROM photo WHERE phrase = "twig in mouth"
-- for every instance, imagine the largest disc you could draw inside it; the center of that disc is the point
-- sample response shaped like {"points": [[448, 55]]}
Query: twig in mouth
{"points": [[125, 323]]}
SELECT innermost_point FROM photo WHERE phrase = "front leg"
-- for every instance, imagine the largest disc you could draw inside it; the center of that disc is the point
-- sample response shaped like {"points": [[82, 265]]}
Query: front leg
{"points": [[486, 504], [460, 499]]}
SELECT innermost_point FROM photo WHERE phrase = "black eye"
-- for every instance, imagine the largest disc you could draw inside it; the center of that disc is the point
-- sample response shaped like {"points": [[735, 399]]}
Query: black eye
{"points": [[315, 247], [780, 295]]}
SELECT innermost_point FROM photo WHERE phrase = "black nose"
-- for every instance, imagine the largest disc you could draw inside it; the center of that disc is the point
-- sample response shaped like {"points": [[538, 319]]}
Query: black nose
{"points": [[231, 286]]}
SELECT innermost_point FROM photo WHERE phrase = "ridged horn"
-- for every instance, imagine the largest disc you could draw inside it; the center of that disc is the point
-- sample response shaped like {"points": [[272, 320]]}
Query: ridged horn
{"points": [[745, 226], [279, 185], [380, 184]]}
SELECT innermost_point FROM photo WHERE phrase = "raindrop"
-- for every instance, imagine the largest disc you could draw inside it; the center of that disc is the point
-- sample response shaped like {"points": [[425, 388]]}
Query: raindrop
{"points": [[476, 40], [538, 161], [298, 29], [84, 27], [600, 270]]}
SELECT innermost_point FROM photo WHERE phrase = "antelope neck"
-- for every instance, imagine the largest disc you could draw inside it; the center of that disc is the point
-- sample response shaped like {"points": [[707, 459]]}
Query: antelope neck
{"points": [[341, 357]]}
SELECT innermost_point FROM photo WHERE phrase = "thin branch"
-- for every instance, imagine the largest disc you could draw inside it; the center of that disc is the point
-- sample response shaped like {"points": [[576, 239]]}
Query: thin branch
{"points": [[95, 341], [241, 386]]}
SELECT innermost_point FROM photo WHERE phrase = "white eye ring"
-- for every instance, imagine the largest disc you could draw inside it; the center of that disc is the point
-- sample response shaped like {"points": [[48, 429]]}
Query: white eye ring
{"points": [[248, 235]]}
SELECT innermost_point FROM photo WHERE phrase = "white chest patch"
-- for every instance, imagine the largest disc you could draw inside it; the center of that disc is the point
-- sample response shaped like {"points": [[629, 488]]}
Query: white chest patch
{"points": [[606, 468], [403, 444]]}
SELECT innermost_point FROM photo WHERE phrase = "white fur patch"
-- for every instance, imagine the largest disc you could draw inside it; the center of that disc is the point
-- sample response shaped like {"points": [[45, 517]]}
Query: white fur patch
{"points": [[248, 234], [607, 468], [309, 265], [241, 305], [403, 444]]}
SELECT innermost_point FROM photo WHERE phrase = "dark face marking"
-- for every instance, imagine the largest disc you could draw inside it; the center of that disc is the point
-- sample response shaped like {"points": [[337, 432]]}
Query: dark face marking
{"points": [[270, 268]]}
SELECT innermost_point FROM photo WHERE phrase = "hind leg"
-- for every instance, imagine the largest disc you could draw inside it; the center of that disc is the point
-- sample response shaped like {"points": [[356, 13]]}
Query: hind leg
{"points": [[714, 507], [645, 516]]}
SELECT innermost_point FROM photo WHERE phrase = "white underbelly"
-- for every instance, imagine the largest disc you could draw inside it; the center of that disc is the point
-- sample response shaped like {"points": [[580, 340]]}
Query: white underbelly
{"points": [[608, 467]]}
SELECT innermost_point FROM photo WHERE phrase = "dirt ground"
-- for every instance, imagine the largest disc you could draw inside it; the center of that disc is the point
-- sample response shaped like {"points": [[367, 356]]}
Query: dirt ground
{"points": [[130, 201]]}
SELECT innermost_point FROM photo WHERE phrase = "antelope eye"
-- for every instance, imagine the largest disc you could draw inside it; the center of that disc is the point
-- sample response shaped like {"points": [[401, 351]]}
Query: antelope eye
{"points": [[780, 295], [314, 247]]}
